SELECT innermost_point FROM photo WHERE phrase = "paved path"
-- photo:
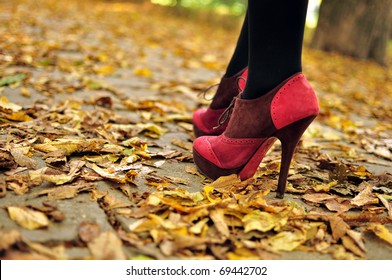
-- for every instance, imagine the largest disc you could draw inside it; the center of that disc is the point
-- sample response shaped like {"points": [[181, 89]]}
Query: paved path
{"points": [[124, 84]]}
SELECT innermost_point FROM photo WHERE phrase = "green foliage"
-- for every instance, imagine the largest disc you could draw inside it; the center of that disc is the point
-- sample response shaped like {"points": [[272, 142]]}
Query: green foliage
{"points": [[234, 7]]}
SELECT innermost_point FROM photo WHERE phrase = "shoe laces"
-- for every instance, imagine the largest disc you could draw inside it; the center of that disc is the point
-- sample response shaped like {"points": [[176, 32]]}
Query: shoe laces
{"points": [[227, 113], [204, 92]]}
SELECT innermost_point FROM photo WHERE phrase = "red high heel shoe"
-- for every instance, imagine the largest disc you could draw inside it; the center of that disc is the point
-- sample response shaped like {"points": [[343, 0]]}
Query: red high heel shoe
{"points": [[205, 121], [284, 113]]}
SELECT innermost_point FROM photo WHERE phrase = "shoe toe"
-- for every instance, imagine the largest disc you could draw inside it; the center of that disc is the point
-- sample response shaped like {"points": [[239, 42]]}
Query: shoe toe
{"points": [[203, 147]]}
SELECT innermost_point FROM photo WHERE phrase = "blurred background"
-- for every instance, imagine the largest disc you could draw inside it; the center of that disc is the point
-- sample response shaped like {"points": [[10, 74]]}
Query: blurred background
{"points": [[359, 28]]}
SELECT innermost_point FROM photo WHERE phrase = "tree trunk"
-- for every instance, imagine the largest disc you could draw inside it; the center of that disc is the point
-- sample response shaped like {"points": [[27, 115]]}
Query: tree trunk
{"points": [[360, 28]]}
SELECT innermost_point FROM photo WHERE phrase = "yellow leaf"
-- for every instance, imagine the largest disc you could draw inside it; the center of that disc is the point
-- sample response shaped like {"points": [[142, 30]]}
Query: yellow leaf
{"points": [[381, 231], [242, 254], [4, 103], [57, 179], [263, 221], [199, 226], [207, 191], [105, 70], [324, 187], [144, 72], [287, 240], [27, 218], [19, 117]]}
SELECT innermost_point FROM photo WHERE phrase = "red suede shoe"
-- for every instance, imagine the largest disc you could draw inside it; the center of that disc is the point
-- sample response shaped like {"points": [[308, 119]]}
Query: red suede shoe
{"points": [[205, 121], [284, 113]]}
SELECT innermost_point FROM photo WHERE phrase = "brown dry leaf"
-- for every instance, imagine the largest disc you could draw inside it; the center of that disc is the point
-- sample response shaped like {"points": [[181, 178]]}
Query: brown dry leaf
{"points": [[72, 145], [182, 144], [338, 252], [287, 240], [111, 175], [9, 238], [63, 192], [351, 245], [339, 205], [226, 181], [217, 216], [365, 197], [19, 154], [88, 231], [381, 231], [318, 197], [111, 202], [107, 246], [192, 169], [358, 238], [68, 191], [6, 160], [338, 226], [36, 175], [19, 183], [27, 218], [386, 203], [3, 189], [263, 221], [55, 253]]}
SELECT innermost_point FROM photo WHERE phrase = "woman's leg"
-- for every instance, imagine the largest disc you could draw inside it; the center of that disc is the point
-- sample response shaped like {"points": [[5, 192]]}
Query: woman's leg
{"points": [[277, 103], [276, 29], [205, 121], [239, 60]]}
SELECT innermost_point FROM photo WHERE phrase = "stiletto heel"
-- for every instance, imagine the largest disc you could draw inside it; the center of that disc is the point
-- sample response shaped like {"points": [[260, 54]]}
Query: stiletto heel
{"points": [[284, 113], [289, 138]]}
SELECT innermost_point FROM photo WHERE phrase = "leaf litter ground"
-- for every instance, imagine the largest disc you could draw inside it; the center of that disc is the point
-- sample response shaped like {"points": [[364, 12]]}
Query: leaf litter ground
{"points": [[101, 108]]}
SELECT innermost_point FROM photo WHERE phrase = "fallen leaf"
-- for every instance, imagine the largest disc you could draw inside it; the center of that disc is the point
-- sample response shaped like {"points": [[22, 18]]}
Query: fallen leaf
{"points": [[338, 227], [27, 218], [358, 238], [263, 221], [318, 197], [365, 197], [388, 205], [54, 253], [381, 231], [338, 205], [287, 240], [4, 103], [208, 190], [9, 238], [88, 231], [350, 245], [21, 159], [144, 72], [217, 216], [9, 80], [107, 246]]}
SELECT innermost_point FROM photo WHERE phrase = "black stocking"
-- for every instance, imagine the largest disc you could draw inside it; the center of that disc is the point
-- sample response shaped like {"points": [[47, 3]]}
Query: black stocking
{"points": [[276, 29]]}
